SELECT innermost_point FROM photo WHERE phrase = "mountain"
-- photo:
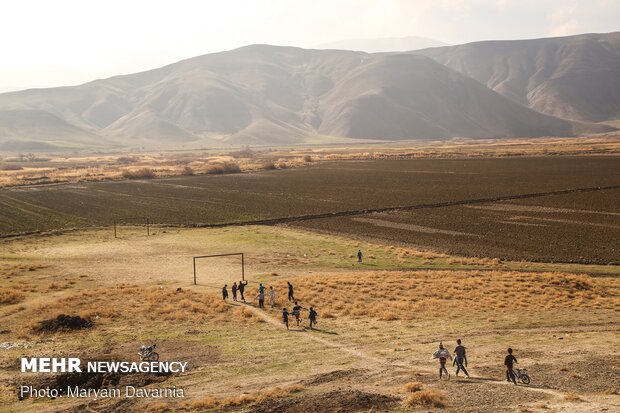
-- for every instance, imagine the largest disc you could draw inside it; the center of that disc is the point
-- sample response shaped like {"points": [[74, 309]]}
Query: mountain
{"points": [[390, 44], [575, 77], [274, 95]]}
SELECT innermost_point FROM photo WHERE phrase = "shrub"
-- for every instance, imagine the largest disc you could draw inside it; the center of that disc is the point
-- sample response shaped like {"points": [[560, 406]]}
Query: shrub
{"points": [[572, 397], [413, 386], [269, 165], [244, 152], [127, 159], [10, 296], [426, 398], [307, 158], [224, 168], [187, 171], [144, 173]]}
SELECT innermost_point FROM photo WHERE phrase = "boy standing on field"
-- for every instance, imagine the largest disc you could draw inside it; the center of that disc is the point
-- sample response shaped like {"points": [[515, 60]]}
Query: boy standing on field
{"points": [[241, 288], [359, 256], [291, 296], [272, 296], [234, 291], [509, 363], [225, 292]]}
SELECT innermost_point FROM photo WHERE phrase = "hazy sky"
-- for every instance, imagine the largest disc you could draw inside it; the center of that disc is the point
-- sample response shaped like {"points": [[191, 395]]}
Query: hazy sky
{"points": [[49, 43]]}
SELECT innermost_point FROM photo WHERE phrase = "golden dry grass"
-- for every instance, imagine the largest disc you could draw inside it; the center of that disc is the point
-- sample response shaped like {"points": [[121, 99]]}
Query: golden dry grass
{"points": [[130, 304], [211, 402], [31, 170], [413, 387], [9, 295], [573, 397], [392, 296], [426, 398]]}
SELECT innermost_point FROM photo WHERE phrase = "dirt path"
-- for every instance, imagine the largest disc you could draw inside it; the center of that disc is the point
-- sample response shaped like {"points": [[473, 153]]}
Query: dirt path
{"points": [[381, 364]]}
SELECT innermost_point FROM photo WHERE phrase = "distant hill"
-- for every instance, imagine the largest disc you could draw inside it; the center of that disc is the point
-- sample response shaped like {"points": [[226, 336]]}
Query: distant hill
{"points": [[390, 44], [575, 77], [273, 95]]}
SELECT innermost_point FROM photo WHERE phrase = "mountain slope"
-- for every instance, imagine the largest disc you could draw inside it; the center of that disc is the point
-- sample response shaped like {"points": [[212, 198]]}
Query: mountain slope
{"points": [[389, 44], [575, 77], [268, 94]]}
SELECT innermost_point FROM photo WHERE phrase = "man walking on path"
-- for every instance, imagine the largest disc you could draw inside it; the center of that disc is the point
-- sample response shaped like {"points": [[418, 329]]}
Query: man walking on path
{"points": [[509, 363], [234, 291], [291, 297], [359, 256], [460, 358], [241, 287], [272, 296], [225, 292]]}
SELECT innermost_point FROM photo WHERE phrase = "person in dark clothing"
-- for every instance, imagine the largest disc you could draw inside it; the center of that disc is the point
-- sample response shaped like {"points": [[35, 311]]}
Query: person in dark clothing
{"points": [[285, 317], [261, 300], [509, 363], [297, 312], [291, 297], [359, 256], [241, 287], [312, 317], [225, 292], [460, 358], [234, 291]]}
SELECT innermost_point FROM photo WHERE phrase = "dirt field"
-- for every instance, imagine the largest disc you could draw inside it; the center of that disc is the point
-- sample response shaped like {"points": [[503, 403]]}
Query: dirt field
{"points": [[575, 227], [379, 323]]}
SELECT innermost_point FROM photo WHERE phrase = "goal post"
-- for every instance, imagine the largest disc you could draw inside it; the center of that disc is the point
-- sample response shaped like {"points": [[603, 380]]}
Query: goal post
{"points": [[221, 255], [145, 220]]}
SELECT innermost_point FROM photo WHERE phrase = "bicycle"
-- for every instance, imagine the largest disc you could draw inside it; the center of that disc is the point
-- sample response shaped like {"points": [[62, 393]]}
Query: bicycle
{"points": [[148, 353], [522, 376]]}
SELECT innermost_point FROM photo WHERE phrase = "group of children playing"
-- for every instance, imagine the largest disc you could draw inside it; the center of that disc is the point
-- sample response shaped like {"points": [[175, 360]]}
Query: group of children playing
{"points": [[240, 288], [442, 354], [460, 361]]}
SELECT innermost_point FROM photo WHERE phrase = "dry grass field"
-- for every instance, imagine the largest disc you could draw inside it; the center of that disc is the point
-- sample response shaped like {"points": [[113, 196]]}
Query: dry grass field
{"points": [[17, 170], [379, 323]]}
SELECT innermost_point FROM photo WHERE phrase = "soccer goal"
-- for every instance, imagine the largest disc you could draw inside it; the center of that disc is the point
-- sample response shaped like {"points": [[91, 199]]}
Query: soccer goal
{"points": [[132, 221], [213, 256]]}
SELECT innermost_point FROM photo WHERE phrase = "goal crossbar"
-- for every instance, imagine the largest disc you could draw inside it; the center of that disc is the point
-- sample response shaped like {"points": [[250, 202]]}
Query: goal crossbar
{"points": [[221, 255]]}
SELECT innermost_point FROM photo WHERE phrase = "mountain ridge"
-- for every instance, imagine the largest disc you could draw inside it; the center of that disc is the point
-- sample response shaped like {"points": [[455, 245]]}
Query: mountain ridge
{"points": [[262, 94]]}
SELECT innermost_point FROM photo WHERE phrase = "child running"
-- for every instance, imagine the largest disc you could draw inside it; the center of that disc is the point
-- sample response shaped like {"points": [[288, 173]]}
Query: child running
{"points": [[443, 355], [312, 317], [297, 311], [285, 317]]}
